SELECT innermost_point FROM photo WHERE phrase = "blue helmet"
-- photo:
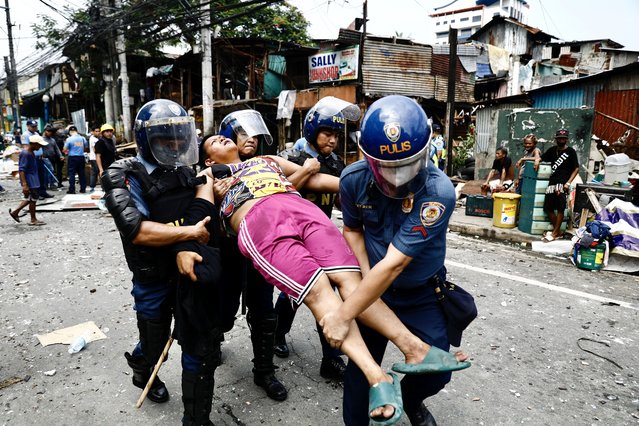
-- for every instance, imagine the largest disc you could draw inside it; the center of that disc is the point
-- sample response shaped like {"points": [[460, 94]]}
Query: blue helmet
{"points": [[247, 123], [165, 134], [395, 136], [328, 113]]}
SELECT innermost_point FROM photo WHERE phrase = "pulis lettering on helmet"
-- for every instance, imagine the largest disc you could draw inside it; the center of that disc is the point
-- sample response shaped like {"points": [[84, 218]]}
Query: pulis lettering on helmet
{"points": [[339, 119], [394, 148]]}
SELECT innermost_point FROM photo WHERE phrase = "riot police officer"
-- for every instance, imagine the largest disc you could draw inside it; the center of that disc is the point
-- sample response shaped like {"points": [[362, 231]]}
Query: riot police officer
{"points": [[149, 197], [323, 125], [247, 128], [396, 206]]}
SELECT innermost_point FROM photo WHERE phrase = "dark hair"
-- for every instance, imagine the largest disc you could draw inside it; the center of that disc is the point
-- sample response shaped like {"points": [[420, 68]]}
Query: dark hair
{"points": [[502, 150], [532, 137], [200, 150]]}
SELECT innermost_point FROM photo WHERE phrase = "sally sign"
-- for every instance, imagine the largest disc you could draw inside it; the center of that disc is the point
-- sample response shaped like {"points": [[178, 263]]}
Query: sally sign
{"points": [[334, 65]]}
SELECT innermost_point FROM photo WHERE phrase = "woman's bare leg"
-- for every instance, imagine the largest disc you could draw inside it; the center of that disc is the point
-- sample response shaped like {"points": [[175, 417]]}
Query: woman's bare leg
{"points": [[321, 300], [382, 319]]}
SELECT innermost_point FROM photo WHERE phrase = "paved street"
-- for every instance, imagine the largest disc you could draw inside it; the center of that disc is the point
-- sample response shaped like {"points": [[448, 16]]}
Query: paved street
{"points": [[553, 345]]}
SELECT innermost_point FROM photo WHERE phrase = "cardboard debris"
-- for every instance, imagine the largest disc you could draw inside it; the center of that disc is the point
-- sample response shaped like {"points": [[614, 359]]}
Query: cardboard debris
{"points": [[557, 247], [73, 202], [67, 335]]}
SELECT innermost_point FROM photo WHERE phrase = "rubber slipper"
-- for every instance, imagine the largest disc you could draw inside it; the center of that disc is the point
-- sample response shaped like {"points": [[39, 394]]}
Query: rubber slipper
{"points": [[385, 393], [435, 361], [547, 238], [16, 218], [37, 223]]}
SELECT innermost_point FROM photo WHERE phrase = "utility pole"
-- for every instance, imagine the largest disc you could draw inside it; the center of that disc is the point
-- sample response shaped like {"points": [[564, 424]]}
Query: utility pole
{"points": [[207, 68], [107, 73], [124, 77], [360, 63], [12, 76], [450, 101]]}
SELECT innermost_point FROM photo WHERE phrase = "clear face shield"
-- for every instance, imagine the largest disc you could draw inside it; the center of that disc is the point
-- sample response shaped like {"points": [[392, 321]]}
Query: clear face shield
{"points": [[330, 106], [172, 141], [393, 177], [248, 124]]}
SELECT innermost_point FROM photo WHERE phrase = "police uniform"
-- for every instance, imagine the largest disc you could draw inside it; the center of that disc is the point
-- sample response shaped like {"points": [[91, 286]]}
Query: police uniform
{"points": [[136, 191], [416, 226]]}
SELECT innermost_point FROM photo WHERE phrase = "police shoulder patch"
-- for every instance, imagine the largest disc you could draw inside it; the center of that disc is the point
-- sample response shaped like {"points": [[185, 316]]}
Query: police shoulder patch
{"points": [[431, 212]]}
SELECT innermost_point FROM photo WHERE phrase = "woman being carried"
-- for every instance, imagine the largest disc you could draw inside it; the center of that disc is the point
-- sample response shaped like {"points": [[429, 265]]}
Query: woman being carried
{"points": [[298, 249]]}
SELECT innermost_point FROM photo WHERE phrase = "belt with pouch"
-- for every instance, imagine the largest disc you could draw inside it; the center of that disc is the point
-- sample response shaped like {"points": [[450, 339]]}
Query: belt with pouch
{"points": [[429, 284]]}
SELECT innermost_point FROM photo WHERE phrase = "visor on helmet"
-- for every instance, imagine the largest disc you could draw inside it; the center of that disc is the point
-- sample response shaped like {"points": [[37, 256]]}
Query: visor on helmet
{"points": [[172, 141], [393, 176], [330, 106], [249, 123]]}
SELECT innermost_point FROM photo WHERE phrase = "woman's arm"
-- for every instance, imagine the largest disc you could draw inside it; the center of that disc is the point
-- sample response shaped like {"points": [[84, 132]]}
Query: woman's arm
{"points": [[313, 181]]}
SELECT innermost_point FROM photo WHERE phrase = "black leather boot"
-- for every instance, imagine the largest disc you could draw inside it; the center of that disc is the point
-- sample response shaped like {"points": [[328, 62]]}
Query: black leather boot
{"points": [[281, 348], [333, 368], [141, 374], [154, 333], [420, 416], [263, 339], [197, 397]]}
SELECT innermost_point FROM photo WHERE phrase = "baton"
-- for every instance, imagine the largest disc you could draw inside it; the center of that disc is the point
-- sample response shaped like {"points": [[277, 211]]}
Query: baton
{"points": [[51, 173], [154, 374]]}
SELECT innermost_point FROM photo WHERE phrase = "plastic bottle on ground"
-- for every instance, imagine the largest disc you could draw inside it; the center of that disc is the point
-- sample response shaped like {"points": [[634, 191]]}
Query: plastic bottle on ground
{"points": [[78, 344]]}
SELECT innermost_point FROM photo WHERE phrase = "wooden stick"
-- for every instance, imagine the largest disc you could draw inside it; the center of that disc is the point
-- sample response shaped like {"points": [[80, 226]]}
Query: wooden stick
{"points": [[154, 374], [583, 218]]}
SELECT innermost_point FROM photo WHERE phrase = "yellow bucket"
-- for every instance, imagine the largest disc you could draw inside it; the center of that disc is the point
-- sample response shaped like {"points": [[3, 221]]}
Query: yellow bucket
{"points": [[505, 206]]}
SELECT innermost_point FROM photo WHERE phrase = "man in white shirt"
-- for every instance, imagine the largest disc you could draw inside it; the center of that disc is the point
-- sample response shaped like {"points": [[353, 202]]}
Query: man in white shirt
{"points": [[95, 135]]}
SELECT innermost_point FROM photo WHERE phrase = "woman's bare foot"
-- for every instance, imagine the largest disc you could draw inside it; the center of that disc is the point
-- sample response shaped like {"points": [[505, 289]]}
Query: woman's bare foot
{"points": [[419, 352], [385, 411]]}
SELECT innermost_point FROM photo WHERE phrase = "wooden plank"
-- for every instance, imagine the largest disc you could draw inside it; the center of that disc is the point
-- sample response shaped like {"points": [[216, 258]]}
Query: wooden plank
{"points": [[584, 217]]}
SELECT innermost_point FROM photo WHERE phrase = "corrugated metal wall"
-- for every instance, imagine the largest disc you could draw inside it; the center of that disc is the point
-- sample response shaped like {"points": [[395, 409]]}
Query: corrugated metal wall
{"points": [[620, 104], [567, 97], [486, 133], [397, 69]]}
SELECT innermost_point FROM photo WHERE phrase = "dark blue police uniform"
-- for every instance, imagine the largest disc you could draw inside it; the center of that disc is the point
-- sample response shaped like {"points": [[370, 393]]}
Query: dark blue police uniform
{"points": [[418, 229]]}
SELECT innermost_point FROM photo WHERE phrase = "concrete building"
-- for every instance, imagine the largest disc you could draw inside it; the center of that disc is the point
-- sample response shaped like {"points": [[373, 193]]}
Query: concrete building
{"points": [[468, 16]]}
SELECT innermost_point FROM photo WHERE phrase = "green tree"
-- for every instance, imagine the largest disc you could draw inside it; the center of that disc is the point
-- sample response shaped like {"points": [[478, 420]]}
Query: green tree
{"points": [[277, 21], [150, 25], [464, 149]]}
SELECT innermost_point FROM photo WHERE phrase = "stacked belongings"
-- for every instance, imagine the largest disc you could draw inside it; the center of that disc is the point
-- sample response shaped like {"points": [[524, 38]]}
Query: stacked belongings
{"points": [[592, 247]]}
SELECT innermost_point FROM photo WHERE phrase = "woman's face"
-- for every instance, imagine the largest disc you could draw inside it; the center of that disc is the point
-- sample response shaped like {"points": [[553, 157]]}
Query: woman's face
{"points": [[247, 145], [219, 149]]}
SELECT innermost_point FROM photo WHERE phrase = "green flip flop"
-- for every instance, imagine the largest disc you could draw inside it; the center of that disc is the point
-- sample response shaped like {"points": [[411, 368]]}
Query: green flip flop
{"points": [[385, 393], [435, 361]]}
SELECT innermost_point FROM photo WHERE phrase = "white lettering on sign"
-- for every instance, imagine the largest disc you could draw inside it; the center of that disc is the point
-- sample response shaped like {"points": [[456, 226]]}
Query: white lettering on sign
{"points": [[334, 65]]}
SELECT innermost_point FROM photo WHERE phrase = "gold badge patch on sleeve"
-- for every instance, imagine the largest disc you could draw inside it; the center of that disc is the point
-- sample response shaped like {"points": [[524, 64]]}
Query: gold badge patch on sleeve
{"points": [[431, 212]]}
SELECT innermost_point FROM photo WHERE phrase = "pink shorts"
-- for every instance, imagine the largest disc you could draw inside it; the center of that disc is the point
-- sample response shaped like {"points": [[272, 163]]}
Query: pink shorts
{"points": [[292, 243]]}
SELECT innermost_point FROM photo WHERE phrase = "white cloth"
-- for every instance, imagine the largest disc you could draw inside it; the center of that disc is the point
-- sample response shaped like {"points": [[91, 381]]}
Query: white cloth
{"points": [[92, 141]]}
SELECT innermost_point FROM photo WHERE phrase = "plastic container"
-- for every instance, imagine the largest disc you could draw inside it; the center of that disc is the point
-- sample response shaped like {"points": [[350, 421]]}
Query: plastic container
{"points": [[505, 209], [591, 257], [617, 168], [78, 344], [479, 205]]}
